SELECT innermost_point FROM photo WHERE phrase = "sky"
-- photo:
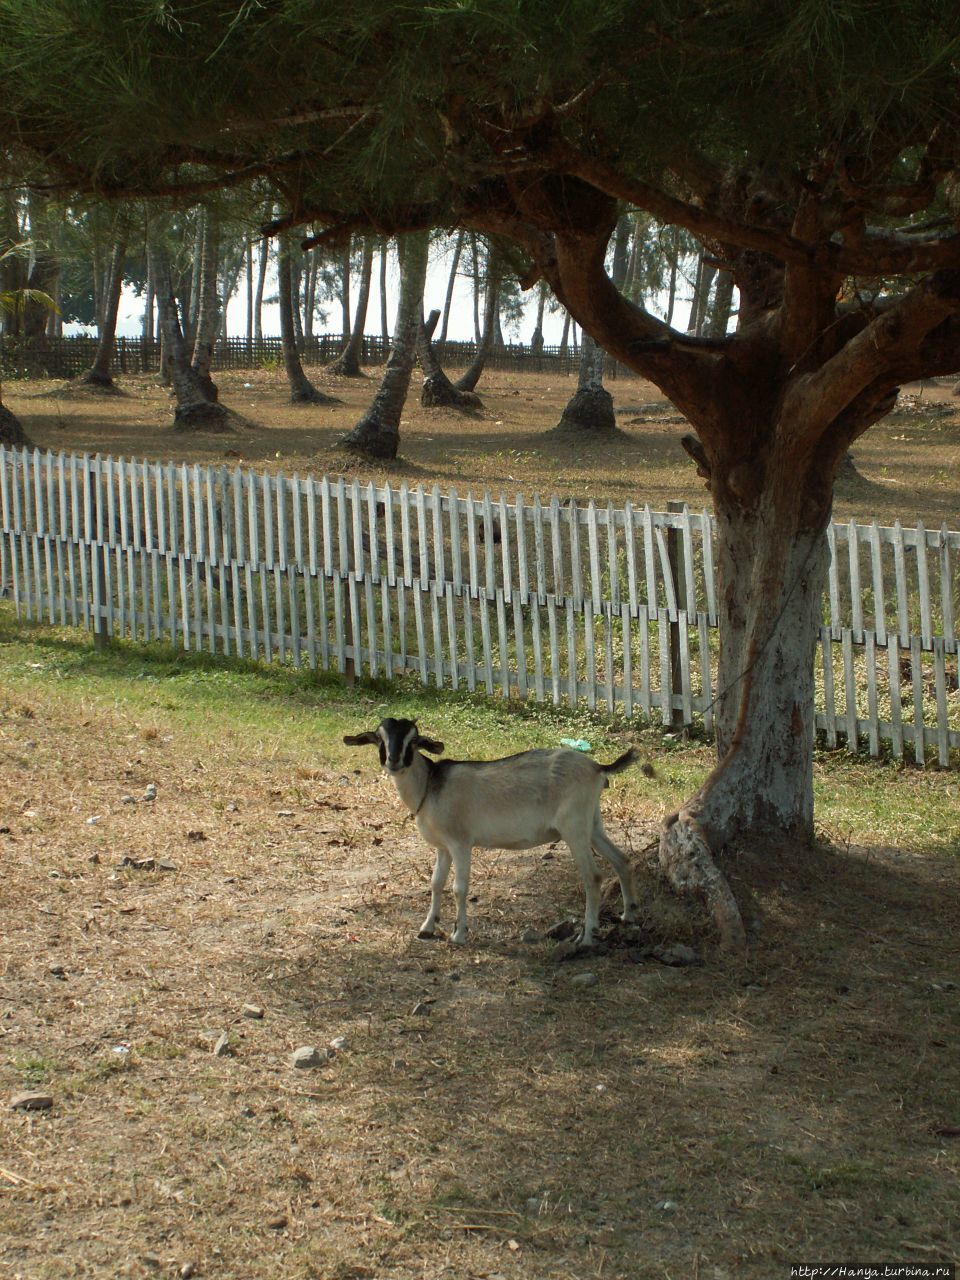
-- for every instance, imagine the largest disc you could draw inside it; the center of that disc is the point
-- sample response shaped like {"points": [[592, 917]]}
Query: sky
{"points": [[461, 314]]}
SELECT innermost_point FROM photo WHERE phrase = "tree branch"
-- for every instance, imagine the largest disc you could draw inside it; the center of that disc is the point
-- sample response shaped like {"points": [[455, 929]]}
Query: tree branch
{"points": [[818, 399], [667, 208]]}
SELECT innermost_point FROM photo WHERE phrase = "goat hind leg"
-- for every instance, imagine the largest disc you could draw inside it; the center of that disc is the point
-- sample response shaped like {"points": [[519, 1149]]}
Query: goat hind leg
{"points": [[440, 872], [605, 846], [461, 887], [590, 876]]}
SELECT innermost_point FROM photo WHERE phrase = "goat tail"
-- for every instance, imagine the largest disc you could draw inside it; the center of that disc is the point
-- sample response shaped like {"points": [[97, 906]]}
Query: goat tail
{"points": [[622, 762]]}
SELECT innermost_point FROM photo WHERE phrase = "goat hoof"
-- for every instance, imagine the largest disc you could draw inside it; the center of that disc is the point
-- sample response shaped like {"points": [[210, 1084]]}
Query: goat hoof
{"points": [[431, 935]]}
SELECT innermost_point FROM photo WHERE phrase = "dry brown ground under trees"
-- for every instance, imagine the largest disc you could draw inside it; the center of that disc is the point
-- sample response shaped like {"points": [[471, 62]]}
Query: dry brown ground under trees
{"points": [[909, 464]]}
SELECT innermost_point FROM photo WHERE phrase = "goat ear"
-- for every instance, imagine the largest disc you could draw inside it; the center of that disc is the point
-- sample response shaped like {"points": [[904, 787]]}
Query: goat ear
{"points": [[428, 744], [360, 739]]}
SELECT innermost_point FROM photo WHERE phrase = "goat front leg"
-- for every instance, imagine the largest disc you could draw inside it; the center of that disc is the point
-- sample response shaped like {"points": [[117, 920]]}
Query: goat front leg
{"points": [[461, 887], [440, 872]]}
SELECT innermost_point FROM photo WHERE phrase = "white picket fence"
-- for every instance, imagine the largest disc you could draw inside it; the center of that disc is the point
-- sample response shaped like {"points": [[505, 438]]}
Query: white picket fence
{"points": [[546, 600]]}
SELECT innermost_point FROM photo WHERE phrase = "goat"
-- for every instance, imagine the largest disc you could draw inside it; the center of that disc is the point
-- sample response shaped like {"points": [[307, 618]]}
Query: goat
{"points": [[518, 802]]}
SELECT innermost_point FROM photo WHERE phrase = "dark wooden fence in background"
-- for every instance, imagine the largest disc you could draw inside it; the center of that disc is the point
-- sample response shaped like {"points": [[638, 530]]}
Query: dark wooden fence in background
{"points": [[68, 357]]}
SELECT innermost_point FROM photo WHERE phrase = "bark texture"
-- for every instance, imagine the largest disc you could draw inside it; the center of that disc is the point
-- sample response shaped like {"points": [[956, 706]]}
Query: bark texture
{"points": [[438, 391], [347, 364], [207, 305], [451, 283], [589, 411], [775, 407], [194, 410], [377, 434], [99, 375], [491, 303], [302, 390]]}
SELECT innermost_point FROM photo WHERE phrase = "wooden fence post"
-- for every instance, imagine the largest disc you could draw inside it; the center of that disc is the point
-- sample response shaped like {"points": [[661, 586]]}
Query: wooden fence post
{"points": [[101, 635], [677, 569]]}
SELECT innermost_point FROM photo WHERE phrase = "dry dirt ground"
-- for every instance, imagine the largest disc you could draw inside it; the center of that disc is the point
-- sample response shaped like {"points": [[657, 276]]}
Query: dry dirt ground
{"points": [[487, 1114], [909, 464]]}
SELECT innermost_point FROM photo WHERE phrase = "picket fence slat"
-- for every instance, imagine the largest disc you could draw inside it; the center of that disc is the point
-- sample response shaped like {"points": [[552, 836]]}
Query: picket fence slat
{"points": [[527, 599]]}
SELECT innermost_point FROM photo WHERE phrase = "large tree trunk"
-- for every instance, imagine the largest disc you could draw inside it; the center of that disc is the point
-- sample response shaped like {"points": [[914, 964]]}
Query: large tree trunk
{"points": [[347, 363], [773, 566], [773, 418], [207, 305], [302, 390], [194, 410], [377, 434], [491, 305], [438, 391], [590, 409], [98, 376]]}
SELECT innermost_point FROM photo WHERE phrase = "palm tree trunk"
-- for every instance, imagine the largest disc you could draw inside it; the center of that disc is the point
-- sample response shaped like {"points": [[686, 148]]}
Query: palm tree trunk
{"points": [[347, 363], [491, 304], [451, 282], [384, 318], [590, 409], [377, 434], [438, 390], [302, 390], [249, 267], [565, 335], [207, 304], [193, 409], [536, 341], [258, 299], [98, 375], [345, 290]]}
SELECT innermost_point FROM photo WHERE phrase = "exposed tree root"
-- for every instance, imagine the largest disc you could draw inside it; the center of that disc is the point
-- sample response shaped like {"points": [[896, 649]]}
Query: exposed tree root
{"points": [[11, 430], [370, 439], [311, 395], [202, 415], [438, 392], [346, 367], [588, 412], [98, 384], [688, 864]]}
